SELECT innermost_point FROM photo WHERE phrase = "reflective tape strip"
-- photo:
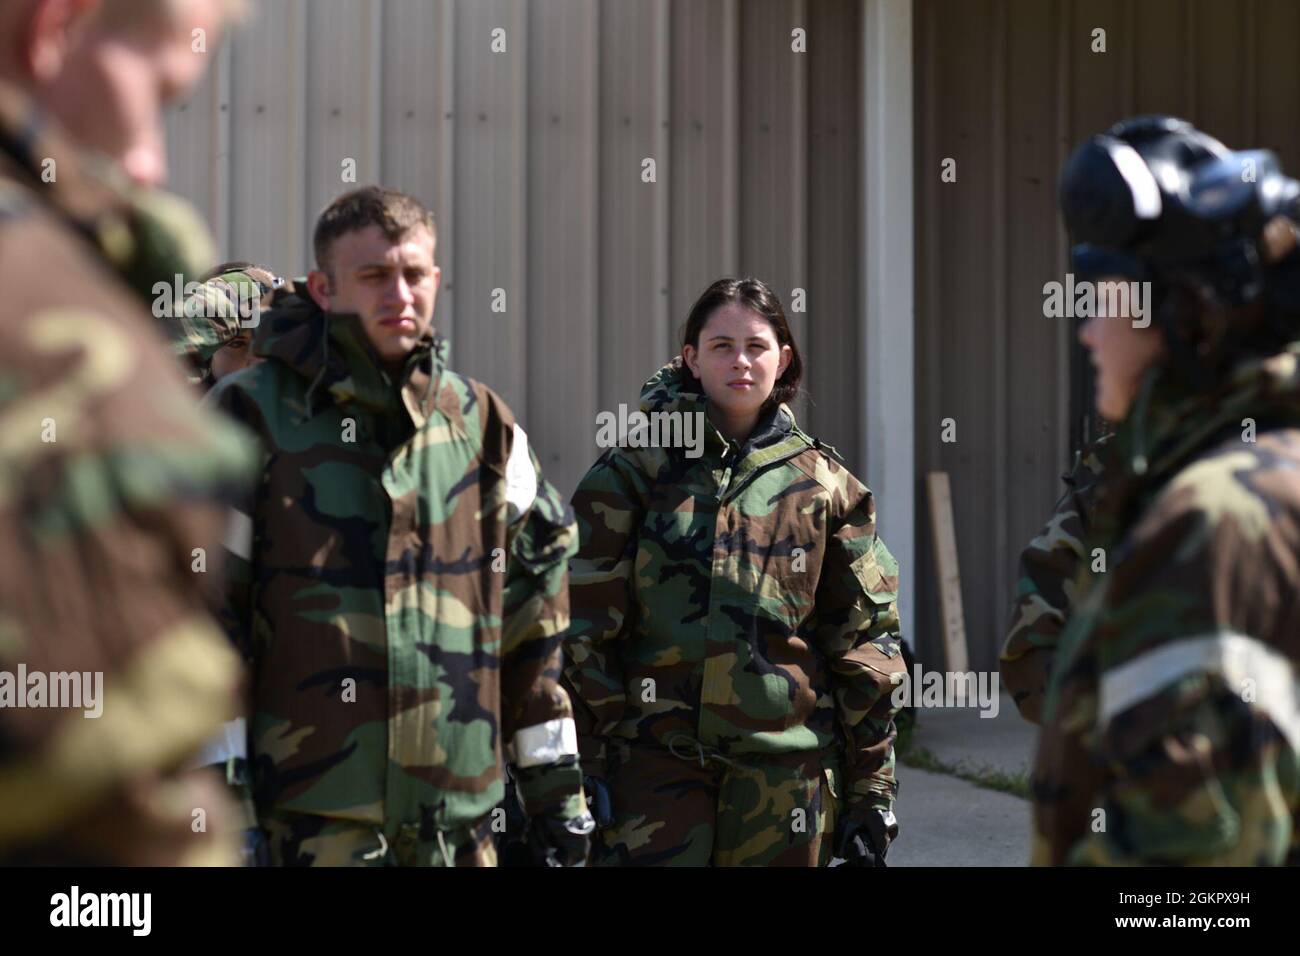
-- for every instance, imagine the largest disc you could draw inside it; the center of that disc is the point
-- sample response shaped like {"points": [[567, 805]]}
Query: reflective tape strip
{"points": [[1146, 194], [546, 743], [230, 741], [521, 479], [1275, 687], [239, 535]]}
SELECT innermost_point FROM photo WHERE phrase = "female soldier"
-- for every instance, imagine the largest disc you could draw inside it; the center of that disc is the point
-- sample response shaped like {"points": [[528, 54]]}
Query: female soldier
{"points": [[734, 622], [1171, 725]]}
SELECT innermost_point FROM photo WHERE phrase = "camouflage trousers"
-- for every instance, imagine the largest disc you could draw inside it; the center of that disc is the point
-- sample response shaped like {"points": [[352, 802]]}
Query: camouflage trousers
{"points": [[302, 839], [691, 806]]}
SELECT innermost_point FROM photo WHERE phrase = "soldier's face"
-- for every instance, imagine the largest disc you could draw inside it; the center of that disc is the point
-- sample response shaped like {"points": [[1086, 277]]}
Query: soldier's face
{"points": [[234, 355], [1121, 355], [391, 285], [738, 359], [111, 87]]}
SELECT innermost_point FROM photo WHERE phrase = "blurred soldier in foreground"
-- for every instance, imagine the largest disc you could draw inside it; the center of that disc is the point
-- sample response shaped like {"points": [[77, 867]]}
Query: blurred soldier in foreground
{"points": [[1171, 725], [108, 506], [400, 582]]}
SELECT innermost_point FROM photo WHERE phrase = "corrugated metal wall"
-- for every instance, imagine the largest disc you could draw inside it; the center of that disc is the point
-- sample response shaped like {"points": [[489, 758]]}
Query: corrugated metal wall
{"points": [[1008, 88], [532, 162]]}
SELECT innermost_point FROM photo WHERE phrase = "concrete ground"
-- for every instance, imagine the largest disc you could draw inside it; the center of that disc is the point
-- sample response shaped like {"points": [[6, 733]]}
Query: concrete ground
{"points": [[960, 735], [947, 821]]}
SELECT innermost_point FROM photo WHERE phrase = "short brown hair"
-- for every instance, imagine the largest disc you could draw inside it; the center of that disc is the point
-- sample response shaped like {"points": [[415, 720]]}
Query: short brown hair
{"points": [[396, 213], [757, 295]]}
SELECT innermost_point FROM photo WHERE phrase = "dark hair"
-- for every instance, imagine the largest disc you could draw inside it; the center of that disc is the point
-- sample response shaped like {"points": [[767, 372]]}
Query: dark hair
{"points": [[757, 295], [393, 211], [1207, 335]]}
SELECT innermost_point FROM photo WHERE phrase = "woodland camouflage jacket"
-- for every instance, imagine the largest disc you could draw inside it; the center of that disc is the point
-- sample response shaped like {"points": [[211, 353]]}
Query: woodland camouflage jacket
{"points": [[741, 599], [400, 586], [1171, 727]]}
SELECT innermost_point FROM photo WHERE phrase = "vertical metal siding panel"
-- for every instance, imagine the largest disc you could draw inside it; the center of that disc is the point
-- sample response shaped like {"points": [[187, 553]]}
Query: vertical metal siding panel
{"points": [[413, 127], [797, 189], [1222, 70], [834, 245], [1097, 79], [1037, 363], [769, 217], [633, 327], [562, 219], [1158, 38], [373, 117], [964, 321], [219, 180], [301, 215], [1250, 73], [731, 136], [491, 157], [662, 57], [1062, 19], [929, 354], [704, 154], [1277, 76], [191, 144], [444, 160], [412, 65], [266, 170], [340, 123], [772, 163], [984, 614]]}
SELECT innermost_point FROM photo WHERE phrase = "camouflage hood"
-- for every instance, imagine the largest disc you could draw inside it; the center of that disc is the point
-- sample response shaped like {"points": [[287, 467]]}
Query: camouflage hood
{"points": [[333, 354], [1171, 423], [674, 389]]}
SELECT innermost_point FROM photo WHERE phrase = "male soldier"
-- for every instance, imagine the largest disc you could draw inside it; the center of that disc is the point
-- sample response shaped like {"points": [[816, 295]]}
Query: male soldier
{"points": [[108, 506], [1049, 568], [1171, 723], [216, 328], [401, 582]]}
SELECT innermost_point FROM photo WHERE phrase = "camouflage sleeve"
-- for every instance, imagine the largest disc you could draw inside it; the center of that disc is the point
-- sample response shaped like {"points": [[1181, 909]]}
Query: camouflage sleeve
{"points": [[601, 589], [537, 717], [108, 518], [234, 606], [1046, 590], [227, 751], [858, 630], [1198, 720]]}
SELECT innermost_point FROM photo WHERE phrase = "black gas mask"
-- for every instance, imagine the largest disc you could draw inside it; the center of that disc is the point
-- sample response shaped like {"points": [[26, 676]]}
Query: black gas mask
{"points": [[1153, 197]]}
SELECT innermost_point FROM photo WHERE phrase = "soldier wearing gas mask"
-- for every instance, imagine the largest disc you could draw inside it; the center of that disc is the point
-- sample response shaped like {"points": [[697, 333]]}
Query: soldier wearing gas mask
{"points": [[1171, 722]]}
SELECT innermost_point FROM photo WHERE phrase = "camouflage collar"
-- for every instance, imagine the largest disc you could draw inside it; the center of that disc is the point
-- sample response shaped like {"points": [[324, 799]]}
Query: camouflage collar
{"points": [[775, 438], [1170, 422], [333, 354]]}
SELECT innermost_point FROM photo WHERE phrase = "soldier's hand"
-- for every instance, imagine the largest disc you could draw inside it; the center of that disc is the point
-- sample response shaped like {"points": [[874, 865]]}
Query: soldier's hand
{"points": [[863, 839]]}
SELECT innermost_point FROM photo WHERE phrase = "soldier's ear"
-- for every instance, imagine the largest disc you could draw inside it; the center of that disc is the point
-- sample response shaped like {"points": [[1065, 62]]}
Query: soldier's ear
{"points": [[47, 38], [691, 356], [320, 288]]}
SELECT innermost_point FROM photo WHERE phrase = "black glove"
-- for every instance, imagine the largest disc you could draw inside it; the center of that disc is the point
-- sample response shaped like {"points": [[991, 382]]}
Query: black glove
{"points": [[598, 801], [555, 841], [863, 839]]}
